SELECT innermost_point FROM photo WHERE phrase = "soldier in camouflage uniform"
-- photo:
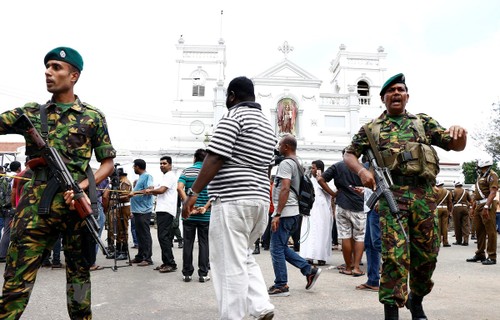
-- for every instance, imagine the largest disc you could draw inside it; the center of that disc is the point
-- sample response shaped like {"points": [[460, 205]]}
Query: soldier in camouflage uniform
{"points": [[484, 209], [75, 129], [414, 194]]}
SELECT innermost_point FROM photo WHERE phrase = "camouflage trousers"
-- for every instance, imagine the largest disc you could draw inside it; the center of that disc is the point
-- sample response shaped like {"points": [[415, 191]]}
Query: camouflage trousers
{"points": [[32, 238], [415, 260]]}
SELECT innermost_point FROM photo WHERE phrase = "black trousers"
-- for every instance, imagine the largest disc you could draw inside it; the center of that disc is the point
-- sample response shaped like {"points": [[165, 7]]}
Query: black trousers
{"points": [[190, 228], [143, 236], [166, 237]]}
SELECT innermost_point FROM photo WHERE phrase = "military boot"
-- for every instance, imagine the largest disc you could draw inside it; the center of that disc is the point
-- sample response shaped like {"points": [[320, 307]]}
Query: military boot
{"points": [[414, 304], [391, 312]]}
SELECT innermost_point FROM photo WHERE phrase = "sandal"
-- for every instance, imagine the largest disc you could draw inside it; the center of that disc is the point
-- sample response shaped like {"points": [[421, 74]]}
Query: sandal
{"points": [[95, 267], [343, 271], [366, 287], [358, 274]]}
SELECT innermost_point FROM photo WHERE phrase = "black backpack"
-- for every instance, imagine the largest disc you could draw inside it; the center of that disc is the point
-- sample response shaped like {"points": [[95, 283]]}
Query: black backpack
{"points": [[306, 194]]}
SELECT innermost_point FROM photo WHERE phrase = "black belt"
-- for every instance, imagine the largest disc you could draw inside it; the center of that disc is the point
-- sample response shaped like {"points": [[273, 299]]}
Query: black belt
{"points": [[409, 180]]}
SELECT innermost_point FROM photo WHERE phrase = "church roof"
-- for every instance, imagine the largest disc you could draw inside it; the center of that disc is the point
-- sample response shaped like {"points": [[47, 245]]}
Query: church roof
{"points": [[287, 73]]}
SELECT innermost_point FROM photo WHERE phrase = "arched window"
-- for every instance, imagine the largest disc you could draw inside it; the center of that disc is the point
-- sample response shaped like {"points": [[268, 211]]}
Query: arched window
{"points": [[363, 89]]}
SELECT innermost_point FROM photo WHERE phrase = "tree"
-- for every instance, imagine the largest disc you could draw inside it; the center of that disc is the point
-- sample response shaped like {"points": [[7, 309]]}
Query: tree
{"points": [[470, 173], [489, 138]]}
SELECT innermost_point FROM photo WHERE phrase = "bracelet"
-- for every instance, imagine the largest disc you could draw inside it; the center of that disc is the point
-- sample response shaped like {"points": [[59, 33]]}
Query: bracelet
{"points": [[360, 170]]}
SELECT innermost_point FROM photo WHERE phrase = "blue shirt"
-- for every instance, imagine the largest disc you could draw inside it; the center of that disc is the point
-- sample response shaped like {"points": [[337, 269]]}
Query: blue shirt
{"points": [[142, 203]]}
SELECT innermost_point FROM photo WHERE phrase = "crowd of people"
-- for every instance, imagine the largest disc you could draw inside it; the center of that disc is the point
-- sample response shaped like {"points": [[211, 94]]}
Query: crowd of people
{"points": [[230, 204]]}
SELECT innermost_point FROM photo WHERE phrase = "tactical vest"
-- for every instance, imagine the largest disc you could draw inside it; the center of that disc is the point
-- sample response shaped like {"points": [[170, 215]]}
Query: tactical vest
{"points": [[416, 159]]}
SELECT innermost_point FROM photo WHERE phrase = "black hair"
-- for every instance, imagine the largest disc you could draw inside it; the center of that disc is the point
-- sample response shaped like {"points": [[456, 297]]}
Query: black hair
{"points": [[319, 165], [168, 158], [14, 166], [199, 155], [140, 163], [291, 141], [242, 87]]}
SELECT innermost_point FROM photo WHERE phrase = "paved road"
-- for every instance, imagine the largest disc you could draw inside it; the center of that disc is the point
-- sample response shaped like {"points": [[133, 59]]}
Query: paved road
{"points": [[462, 291]]}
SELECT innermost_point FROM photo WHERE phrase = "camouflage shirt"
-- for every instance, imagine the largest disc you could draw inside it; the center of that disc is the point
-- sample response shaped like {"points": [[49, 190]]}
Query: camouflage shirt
{"points": [[74, 131], [396, 131]]}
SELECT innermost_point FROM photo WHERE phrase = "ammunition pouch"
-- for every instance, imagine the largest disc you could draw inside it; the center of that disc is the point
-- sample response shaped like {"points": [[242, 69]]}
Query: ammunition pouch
{"points": [[416, 159]]}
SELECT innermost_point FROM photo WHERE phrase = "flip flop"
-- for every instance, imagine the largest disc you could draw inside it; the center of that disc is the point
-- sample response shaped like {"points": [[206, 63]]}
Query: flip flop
{"points": [[95, 268], [343, 271], [366, 287], [356, 274]]}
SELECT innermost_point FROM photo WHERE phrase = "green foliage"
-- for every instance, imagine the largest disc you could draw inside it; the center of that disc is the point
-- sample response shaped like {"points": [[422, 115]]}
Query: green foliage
{"points": [[489, 137], [469, 170]]}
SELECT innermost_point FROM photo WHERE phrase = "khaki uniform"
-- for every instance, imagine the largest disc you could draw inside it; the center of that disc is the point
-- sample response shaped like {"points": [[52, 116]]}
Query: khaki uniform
{"points": [[485, 228], [119, 213], [461, 204], [444, 207], [75, 132]]}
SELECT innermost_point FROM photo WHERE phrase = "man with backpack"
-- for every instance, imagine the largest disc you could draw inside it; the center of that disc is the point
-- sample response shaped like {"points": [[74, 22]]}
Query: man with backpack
{"points": [[286, 220]]}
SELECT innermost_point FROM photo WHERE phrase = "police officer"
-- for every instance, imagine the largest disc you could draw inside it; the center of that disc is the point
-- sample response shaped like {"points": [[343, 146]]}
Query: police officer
{"points": [[75, 129], [402, 139], [444, 207], [484, 209], [461, 203]]}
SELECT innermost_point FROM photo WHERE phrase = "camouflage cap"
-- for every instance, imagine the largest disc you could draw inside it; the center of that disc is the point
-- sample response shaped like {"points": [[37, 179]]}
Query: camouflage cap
{"points": [[399, 78], [67, 55]]}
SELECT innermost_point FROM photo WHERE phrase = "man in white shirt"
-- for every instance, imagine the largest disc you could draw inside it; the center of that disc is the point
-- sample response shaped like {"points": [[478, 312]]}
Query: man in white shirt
{"points": [[166, 208]]}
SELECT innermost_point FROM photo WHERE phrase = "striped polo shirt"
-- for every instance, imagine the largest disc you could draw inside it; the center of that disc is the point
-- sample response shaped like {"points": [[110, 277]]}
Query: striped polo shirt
{"points": [[246, 139], [187, 177]]}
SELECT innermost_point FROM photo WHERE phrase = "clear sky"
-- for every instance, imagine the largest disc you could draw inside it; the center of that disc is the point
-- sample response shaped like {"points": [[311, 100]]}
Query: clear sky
{"points": [[449, 51]]}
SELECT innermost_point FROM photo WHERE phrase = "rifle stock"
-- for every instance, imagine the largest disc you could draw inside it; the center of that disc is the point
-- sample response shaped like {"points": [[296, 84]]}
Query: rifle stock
{"points": [[52, 159]]}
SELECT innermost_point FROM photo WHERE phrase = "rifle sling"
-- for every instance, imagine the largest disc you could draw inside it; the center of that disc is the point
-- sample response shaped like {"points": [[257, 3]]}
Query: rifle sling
{"points": [[373, 146]]}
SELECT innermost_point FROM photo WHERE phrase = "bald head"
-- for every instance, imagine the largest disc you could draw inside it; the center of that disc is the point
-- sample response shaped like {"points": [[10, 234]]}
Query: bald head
{"points": [[288, 145]]}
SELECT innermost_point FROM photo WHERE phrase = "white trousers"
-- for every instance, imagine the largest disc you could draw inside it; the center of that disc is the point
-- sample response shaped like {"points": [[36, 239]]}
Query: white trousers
{"points": [[238, 281]]}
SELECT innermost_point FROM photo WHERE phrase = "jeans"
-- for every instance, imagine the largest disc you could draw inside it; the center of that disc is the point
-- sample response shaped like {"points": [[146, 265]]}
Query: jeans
{"points": [[101, 219], [190, 228], [281, 253], [498, 222], [373, 248], [132, 231], [237, 278], [143, 236], [166, 237], [56, 251], [4, 242]]}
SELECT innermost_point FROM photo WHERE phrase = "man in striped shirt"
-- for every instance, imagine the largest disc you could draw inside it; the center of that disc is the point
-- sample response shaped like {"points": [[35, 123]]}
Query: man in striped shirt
{"points": [[197, 221], [236, 167]]}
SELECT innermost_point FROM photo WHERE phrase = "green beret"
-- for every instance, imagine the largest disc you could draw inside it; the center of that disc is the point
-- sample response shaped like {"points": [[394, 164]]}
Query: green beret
{"points": [[399, 78], [67, 55]]}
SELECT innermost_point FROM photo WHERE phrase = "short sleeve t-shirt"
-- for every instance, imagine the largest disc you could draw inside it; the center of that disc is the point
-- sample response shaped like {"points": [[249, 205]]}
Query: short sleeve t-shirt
{"points": [[167, 201], [287, 170], [142, 203]]}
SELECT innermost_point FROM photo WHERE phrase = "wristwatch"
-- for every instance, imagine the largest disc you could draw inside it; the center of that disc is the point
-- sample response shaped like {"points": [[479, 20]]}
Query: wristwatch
{"points": [[277, 214], [191, 193]]}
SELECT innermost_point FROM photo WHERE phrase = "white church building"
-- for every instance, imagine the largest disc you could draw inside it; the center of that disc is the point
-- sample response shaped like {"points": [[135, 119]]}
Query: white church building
{"points": [[290, 96]]}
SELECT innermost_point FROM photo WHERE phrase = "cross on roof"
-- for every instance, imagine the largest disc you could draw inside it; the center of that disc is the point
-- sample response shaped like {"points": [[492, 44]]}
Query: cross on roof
{"points": [[285, 48]]}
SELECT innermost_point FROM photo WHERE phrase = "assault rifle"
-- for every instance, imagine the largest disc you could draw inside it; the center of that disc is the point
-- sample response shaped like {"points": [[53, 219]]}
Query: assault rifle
{"points": [[384, 182], [51, 158]]}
